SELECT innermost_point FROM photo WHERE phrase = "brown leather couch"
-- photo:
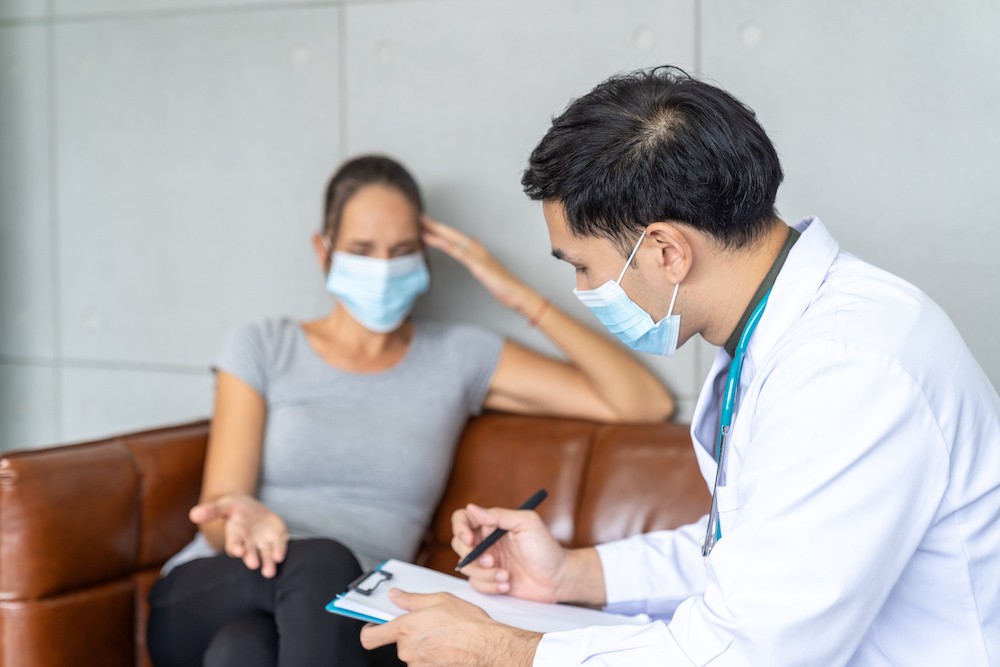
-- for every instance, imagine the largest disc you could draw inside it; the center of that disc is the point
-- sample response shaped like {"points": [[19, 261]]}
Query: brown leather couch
{"points": [[84, 528]]}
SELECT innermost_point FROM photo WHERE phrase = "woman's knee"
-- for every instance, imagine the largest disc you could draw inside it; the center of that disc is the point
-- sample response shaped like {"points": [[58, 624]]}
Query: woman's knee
{"points": [[321, 560], [321, 550], [246, 641]]}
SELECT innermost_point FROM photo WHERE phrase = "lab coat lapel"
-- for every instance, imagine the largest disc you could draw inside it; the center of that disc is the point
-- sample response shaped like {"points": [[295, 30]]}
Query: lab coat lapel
{"points": [[801, 276]]}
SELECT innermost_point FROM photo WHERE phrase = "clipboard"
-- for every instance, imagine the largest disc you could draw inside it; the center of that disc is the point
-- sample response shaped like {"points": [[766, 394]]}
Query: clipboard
{"points": [[367, 599]]}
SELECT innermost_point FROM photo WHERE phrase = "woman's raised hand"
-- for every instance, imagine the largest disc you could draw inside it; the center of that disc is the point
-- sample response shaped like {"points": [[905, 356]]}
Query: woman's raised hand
{"points": [[494, 276], [253, 533]]}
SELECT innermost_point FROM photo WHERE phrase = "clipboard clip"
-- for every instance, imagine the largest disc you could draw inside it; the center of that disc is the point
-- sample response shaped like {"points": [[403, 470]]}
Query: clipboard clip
{"points": [[368, 582]]}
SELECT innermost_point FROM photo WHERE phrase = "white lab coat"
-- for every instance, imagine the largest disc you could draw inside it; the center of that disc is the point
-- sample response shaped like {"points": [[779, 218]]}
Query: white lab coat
{"points": [[861, 514]]}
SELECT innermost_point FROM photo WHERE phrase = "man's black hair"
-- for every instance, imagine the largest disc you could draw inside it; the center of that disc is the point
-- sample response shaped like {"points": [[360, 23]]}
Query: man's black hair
{"points": [[658, 145]]}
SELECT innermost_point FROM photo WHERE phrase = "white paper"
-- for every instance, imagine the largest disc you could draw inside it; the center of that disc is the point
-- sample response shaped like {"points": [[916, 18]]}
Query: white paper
{"points": [[535, 616]]}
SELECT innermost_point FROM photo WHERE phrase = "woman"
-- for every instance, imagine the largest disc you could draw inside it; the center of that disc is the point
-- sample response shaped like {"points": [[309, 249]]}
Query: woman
{"points": [[331, 440]]}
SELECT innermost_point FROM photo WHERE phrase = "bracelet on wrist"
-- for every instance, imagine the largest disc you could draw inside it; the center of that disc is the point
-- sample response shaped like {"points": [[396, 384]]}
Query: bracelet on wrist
{"points": [[533, 322]]}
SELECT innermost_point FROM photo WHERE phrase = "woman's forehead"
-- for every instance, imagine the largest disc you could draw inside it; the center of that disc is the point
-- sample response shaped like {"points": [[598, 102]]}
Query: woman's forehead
{"points": [[379, 212]]}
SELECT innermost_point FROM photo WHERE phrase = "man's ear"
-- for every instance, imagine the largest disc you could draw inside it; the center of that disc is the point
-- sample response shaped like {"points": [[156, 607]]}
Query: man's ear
{"points": [[323, 252], [674, 253]]}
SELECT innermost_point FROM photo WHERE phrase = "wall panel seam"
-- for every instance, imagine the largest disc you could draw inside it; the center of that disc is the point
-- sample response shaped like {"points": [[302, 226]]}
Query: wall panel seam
{"points": [[54, 245]]}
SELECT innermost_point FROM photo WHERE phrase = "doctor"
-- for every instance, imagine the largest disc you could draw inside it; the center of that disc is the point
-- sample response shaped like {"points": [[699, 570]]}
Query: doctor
{"points": [[856, 509]]}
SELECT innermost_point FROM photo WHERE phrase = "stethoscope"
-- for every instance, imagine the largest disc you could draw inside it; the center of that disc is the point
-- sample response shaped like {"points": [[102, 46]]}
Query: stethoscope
{"points": [[714, 531]]}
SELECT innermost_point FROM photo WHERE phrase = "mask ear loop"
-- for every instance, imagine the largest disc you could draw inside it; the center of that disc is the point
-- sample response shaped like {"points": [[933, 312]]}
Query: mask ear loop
{"points": [[670, 310], [329, 251], [629, 260]]}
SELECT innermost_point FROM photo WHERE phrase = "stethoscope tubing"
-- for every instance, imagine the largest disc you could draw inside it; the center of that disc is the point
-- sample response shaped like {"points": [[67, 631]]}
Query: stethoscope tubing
{"points": [[713, 532]]}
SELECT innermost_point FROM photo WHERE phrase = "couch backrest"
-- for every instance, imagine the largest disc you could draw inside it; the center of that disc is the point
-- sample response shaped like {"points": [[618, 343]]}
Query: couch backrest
{"points": [[604, 481]]}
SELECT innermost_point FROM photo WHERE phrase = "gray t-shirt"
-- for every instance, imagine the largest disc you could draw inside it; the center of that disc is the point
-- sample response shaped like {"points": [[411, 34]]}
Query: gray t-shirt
{"points": [[358, 457]]}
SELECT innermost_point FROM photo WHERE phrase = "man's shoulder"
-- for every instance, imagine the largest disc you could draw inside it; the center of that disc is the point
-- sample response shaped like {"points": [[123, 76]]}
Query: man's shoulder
{"points": [[860, 304], [860, 309]]}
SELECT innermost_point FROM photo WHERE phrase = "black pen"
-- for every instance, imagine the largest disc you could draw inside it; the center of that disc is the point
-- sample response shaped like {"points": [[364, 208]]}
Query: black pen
{"points": [[529, 504]]}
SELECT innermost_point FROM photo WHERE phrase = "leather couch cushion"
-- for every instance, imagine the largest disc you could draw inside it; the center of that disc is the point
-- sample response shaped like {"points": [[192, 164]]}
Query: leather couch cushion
{"points": [[144, 581], [640, 478], [93, 626], [502, 460], [171, 461]]}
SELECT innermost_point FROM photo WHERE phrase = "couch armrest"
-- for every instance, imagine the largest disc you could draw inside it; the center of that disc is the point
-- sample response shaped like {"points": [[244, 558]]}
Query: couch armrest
{"points": [[84, 529], [69, 518]]}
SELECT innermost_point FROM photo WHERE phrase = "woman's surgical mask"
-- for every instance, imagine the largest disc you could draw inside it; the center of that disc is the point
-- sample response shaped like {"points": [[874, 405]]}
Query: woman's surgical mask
{"points": [[626, 320], [378, 293]]}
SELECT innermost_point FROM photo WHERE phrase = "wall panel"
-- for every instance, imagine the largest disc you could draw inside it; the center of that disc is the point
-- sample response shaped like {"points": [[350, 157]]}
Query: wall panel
{"points": [[20, 10], [885, 116], [192, 150], [27, 303], [464, 99], [28, 406], [103, 401]]}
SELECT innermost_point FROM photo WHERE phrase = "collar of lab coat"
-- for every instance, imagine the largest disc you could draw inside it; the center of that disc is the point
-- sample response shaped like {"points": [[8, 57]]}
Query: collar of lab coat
{"points": [[800, 278]]}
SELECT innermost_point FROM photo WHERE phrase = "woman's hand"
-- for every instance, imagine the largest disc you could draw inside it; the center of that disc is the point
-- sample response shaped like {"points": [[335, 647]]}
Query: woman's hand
{"points": [[599, 380], [484, 267], [252, 531]]}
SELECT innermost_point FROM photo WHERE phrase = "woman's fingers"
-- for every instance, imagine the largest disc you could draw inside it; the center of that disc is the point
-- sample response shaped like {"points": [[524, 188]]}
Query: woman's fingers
{"points": [[268, 566], [440, 231], [272, 552], [279, 549], [484, 267], [251, 556], [205, 512], [236, 539], [262, 552], [448, 240]]}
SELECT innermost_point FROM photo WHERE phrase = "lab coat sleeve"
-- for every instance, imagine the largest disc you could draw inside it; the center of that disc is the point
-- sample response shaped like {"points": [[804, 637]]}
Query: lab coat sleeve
{"points": [[840, 477], [655, 572]]}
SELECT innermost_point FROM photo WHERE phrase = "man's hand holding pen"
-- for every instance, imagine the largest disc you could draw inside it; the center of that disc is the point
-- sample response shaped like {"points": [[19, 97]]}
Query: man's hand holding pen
{"points": [[440, 629], [519, 557], [526, 563]]}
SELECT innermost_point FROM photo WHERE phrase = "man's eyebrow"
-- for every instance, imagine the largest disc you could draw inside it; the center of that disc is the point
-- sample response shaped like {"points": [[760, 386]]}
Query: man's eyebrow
{"points": [[559, 254]]}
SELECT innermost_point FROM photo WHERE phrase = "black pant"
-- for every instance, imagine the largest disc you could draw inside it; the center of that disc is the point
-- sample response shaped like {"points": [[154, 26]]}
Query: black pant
{"points": [[215, 612]]}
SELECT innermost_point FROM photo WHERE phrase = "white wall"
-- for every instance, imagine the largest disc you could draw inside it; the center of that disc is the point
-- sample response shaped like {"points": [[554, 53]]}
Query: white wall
{"points": [[162, 162]]}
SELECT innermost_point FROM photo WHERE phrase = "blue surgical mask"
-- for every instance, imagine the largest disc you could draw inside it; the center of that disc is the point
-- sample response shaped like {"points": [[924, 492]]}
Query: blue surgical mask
{"points": [[378, 293], [626, 320]]}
